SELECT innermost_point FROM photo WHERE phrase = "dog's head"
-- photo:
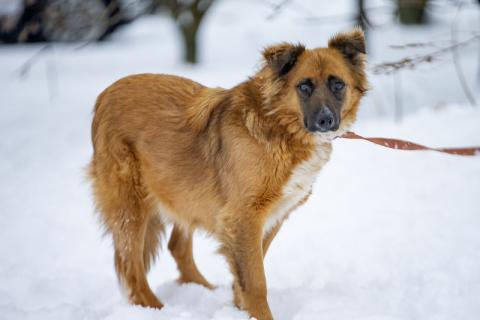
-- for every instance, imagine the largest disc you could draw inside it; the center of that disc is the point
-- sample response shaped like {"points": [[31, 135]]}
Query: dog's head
{"points": [[321, 86]]}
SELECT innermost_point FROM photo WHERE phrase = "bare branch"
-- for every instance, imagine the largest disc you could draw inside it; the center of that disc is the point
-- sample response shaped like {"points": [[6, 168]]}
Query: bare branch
{"points": [[414, 45], [277, 8], [412, 62], [456, 59], [27, 65]]}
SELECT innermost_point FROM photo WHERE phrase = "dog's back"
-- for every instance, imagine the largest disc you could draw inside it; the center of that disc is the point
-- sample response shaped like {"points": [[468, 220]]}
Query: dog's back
{"points": [[145, 136]]}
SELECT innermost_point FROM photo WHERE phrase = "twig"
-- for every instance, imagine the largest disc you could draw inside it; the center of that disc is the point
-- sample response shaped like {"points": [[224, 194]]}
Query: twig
{"points": [[277, 8], [397, 88], [348, 16], [412, 62], [25, 67], [414, 45], [456, 59], [478, 60], [362, 18], [51, 74]]}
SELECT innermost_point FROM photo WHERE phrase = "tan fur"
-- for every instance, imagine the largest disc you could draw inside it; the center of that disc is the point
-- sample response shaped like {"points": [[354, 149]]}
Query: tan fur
{"points": [[234, 162]]}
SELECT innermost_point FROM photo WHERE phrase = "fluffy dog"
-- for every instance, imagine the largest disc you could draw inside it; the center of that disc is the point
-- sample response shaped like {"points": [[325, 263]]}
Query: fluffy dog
{"points": [[234, 162]]}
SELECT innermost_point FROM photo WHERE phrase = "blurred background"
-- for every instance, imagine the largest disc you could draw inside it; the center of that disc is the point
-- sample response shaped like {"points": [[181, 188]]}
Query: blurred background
{"points": [[386, 235], [412, 44]]}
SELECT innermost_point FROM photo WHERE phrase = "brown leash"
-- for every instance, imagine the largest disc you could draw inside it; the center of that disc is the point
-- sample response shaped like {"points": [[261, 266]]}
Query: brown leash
{"points": [[407, 145]]}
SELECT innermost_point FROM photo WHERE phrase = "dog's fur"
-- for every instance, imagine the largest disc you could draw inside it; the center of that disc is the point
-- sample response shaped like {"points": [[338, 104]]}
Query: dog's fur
{"points": [[234, 162]]}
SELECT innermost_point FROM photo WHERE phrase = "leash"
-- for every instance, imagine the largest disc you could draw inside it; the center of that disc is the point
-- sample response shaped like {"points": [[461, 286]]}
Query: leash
{"points": [[407, 145]]}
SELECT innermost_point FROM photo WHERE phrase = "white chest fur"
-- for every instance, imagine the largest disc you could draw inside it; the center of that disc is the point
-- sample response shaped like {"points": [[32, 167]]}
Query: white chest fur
{"points": [[298, 185]]}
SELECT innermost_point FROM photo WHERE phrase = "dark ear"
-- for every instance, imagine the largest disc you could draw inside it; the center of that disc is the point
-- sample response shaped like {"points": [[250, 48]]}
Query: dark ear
{"points": [[282, 57], [351, 45]]}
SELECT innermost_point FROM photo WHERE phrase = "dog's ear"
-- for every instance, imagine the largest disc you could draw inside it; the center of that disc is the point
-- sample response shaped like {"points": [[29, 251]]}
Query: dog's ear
{"points": [[282, 57], [351, 45]]}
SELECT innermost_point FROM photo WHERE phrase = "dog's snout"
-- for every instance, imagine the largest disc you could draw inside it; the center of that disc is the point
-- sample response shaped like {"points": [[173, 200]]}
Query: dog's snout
{"points": [[326, 120]]}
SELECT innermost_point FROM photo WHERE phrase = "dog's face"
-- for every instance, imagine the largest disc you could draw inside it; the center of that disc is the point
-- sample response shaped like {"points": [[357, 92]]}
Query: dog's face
{"points": [[322, 86]]}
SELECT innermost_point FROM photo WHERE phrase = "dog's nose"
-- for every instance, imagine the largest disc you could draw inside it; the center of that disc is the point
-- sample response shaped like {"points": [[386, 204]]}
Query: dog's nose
{"points": [[325, 120]]}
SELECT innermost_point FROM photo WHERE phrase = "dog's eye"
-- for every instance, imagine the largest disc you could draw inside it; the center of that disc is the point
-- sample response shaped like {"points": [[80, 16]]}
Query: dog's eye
{"points": [[305, 87], [339, 85], [336, 85]]}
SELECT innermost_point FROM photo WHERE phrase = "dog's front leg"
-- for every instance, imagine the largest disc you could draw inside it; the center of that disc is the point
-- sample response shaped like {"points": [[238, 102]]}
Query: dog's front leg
{"points": [[243, 250]]}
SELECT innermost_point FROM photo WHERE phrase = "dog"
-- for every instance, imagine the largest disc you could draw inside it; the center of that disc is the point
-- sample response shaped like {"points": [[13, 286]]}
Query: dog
{"points": [[233, 162]]}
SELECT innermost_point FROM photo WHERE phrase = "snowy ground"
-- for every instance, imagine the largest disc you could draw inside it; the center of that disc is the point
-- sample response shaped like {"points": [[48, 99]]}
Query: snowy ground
{"points": [[386, 235]]}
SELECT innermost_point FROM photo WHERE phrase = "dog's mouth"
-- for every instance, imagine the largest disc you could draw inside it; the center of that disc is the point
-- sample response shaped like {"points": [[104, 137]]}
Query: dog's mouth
{"points": [[331, 135], [339, 130]]}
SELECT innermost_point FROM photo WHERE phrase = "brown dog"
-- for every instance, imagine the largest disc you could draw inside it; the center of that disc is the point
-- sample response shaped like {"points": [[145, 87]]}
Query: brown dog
{"points": [[234, 162]]}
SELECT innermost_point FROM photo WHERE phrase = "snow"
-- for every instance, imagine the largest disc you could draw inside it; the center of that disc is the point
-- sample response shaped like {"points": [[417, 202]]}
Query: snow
{"points": [[386, 235], [10, 7]]}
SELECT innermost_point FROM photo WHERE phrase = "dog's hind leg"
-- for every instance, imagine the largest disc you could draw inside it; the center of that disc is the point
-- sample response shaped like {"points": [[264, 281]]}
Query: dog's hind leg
{"points": [[129, 216], [130, 264], [181, 247], [153, 234]]}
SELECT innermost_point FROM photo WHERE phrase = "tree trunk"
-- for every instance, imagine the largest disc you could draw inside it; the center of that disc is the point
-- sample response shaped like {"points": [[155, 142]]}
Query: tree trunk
{"points": [[189, 15], [360, 18], [189, 35], [411, 11]]}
